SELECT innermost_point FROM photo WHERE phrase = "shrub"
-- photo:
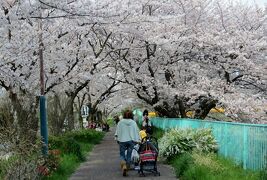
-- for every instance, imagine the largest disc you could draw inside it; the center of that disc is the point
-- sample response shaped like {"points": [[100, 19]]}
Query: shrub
{"points": [[205, 141], [4, 163], [23, 168], [71, 146], [110, 121], [178, 141], [55, 142], [53, 159], [68, 164], [69, 142], [24, 156], [86, 135]]}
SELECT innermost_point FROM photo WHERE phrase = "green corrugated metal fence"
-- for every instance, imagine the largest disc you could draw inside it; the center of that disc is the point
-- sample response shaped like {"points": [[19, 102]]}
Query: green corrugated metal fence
{"points": [[245, 143], [139, 114]]}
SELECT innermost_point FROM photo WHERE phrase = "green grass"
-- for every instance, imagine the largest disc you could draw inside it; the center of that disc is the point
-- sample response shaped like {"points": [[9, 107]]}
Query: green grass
{"points": [[233, 171], [181, 163], [3, 164], [86, 148], [198, 166], [157, 132], [68, 164]]}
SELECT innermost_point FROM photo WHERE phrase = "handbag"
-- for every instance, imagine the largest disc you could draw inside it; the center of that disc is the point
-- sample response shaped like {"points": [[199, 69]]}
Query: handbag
{"points": [[135, 155], [148, 155]]}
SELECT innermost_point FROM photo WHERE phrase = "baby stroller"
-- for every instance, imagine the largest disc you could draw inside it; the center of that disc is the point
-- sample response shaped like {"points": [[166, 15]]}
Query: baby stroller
{"points": [[148, 153]]}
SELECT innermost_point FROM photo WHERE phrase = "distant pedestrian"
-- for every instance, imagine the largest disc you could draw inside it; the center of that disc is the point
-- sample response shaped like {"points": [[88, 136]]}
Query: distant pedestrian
{"points": [[146, 124], [116, 119]]}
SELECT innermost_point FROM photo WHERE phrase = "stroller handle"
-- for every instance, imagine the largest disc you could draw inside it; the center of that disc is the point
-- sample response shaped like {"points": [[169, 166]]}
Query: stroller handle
{"points": [[149, 138]]}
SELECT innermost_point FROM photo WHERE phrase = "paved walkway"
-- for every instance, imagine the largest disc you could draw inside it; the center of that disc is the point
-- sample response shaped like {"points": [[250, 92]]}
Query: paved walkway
{"points": [[103, 163]]}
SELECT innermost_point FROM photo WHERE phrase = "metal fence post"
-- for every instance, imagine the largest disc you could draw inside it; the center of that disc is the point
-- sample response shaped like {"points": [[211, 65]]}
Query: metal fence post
{"points": [[245, 146], [225, 139]]}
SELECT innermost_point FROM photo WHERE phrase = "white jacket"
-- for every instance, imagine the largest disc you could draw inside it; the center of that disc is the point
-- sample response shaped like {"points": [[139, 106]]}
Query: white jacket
{"points": [[127, 130]]}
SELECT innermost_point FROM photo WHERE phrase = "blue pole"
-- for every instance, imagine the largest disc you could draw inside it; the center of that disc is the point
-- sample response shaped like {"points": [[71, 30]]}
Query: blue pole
{"points": [[43, 123]]}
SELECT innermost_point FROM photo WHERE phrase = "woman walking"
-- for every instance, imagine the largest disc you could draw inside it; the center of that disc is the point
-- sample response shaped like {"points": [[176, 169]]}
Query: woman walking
{"points": [[127, 134]]}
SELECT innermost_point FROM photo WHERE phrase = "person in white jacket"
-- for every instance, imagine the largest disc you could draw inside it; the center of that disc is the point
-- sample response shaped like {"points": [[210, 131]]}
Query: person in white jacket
{"points": [[127, 134]]}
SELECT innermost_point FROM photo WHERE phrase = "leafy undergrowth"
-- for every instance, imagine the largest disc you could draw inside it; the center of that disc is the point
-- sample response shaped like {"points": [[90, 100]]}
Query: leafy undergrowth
{"points": [[73, 148], [69, 162]]}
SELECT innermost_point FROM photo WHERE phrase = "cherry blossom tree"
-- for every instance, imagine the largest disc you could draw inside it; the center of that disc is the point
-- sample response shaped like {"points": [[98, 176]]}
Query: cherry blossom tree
{"points": [[68, 57], [205, 49], [175, 56]]}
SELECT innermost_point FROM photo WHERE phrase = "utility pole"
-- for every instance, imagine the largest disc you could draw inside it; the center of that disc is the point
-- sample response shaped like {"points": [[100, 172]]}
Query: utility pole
{"points": [[43, 119]]}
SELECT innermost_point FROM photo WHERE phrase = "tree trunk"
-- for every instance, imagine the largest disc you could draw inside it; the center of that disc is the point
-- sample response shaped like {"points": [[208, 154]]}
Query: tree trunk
{"points": [[92, 115], [181, 108], [70, 114], [81, 121], [166, 110], [56, 115], [205, 106]]}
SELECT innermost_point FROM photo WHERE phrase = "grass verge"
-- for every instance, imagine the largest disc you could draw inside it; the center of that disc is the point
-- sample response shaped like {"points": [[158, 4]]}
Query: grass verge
{"points": [[69, 163], [69, 158], [210, 167]]}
